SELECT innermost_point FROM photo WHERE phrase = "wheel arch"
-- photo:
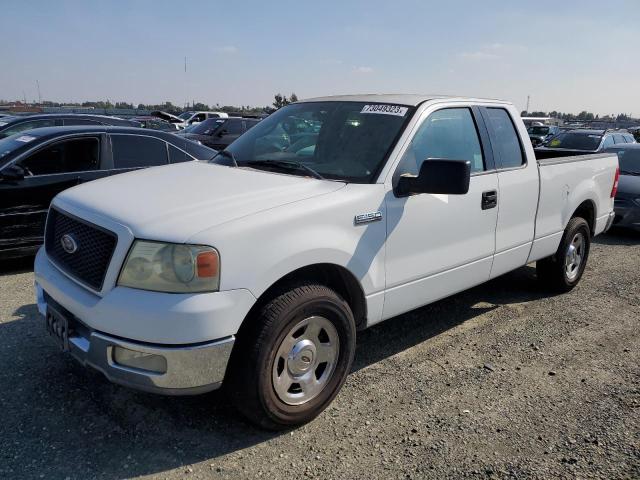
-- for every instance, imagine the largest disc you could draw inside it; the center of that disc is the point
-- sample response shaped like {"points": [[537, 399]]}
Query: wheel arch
{"points": [[586, 210], [334, 276]]}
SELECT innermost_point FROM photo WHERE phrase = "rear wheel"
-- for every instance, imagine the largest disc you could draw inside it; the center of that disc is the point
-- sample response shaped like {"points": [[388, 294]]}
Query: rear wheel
{"points": [[292, 359], [563, 270]]}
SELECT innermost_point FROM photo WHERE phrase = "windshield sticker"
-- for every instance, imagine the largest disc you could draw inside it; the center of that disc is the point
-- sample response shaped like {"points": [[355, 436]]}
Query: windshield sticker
{"points": [[385, 109], [594, 136], [25, 139], [554, 143]]}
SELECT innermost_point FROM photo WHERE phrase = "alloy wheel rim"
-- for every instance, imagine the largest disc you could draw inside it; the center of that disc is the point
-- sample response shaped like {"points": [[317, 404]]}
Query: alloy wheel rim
{"points": [[574, 256], [305, 360]]}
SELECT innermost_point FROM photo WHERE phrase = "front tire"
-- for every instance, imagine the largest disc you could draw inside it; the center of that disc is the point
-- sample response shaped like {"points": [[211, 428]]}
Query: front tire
{"points": [[293, 357], [563, 270]]}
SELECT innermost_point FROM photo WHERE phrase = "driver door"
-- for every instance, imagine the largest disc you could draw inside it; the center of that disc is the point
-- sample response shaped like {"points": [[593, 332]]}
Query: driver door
{"points": [[48, 171], [438, 245]]}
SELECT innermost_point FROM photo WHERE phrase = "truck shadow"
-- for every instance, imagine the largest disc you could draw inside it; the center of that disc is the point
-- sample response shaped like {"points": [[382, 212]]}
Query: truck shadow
{"points": [[618, 236], [118, 433], [12, 266]]}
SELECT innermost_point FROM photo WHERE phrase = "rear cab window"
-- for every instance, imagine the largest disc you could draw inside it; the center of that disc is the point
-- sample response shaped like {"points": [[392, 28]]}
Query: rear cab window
{"points": [[505, 141]]}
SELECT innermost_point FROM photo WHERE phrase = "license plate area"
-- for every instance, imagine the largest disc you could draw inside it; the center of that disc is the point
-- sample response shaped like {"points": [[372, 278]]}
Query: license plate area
{"points": [[57, 326]]}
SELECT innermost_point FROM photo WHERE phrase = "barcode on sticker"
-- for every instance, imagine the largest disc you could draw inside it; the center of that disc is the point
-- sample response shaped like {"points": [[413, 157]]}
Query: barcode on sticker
{"points": [[385, 109]]}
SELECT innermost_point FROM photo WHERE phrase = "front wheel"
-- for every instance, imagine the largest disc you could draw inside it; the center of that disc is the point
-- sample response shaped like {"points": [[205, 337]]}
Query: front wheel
{"points": [[292, 358], [563, 270]]}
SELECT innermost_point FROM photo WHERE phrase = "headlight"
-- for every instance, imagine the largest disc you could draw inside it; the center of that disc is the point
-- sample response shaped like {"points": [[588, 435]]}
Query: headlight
{"points": [[168, 267]]}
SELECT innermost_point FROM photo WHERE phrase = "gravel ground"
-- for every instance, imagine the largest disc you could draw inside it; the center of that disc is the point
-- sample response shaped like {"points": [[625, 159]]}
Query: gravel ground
{"points": [[502, 381]]}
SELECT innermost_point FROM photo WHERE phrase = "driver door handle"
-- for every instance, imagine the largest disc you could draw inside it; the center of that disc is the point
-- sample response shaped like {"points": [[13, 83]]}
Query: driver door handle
{"points": [[489, 199]]}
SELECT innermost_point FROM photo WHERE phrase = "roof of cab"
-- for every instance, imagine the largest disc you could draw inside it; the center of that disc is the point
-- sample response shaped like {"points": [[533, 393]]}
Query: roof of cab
{"points": [[396, 98]]}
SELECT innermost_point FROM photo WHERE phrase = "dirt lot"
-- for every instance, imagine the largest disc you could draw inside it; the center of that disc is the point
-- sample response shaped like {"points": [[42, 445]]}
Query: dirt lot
{"points": [[502, 381]]}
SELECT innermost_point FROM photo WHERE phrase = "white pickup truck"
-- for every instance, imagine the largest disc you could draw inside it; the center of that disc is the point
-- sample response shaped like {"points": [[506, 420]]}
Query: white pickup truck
{"points": [[331, 215]]}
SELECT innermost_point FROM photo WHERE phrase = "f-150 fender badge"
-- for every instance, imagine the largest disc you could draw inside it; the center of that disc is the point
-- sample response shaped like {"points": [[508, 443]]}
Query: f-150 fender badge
{"points": [[367, 217]]}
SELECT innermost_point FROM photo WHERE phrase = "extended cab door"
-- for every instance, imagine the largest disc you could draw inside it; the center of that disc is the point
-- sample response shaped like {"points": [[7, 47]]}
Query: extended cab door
{"points": [[438, 245], [518, 184], [48, 171]]}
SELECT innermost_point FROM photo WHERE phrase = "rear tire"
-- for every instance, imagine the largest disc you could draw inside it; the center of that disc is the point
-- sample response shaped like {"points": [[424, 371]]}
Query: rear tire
{"points": [[293, 357], [563, 270]]}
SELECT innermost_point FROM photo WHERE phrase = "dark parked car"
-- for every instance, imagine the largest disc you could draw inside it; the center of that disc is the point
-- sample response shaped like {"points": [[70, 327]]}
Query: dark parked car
{"points": [[38, 164], [539, 134], [219, 133], [627, 201], [582, 142], [12, 125]]}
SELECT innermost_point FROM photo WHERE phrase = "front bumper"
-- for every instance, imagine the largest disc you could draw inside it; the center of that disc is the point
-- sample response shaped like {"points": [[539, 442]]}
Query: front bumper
{"points": [[190, 335], [184, 369]]}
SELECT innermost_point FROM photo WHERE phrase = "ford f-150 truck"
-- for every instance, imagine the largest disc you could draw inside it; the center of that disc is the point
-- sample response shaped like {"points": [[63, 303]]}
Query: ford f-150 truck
{"points": [[258, 268]]}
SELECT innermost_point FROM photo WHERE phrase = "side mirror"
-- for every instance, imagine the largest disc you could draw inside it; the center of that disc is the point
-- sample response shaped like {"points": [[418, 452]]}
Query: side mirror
{"points": [[448, 177], [13, 172]]}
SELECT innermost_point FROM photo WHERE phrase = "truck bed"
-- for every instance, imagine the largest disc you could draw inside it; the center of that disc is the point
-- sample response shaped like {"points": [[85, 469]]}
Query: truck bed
{"points": [[566, 184]]}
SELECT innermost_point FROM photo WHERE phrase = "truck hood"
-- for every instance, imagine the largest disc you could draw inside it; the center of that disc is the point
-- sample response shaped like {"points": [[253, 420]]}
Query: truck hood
{"points": [[174, 202], [167, 116]]}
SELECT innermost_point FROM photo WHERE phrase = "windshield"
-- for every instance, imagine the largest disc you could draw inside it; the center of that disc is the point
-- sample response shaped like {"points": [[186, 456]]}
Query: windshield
{"points": [[346, 141], [576, 141], [207, 127], [629, 160], [185, 115], [538, 130]]}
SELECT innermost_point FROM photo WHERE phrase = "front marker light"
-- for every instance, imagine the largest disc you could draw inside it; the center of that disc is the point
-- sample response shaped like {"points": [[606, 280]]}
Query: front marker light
{"points": [[172, 268]]}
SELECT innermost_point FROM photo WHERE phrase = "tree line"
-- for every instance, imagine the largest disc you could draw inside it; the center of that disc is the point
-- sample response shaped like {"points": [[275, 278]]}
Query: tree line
{"points": [[280, 101], [582, 116]]}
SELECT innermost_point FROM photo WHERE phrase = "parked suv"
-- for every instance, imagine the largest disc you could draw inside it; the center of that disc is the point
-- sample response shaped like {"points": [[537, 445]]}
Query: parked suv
{"points": [[12, 125], [38, 164], [218, 133], [582, 142]]}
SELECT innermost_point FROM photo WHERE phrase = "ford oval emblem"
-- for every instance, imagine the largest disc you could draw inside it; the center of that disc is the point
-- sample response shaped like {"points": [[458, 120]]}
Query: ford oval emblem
{"points": [[68, 243]]}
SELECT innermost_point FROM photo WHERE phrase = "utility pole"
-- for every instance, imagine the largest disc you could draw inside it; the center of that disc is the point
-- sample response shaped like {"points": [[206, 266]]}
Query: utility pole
{"points": [[39, 94], [528, 98]]}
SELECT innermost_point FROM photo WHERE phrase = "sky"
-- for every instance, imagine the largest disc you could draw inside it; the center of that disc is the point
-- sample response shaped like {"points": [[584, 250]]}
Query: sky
{"points": [[566, 55]]}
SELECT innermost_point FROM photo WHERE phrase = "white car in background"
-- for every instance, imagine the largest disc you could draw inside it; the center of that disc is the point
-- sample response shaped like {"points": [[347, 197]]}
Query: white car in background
{"points": [[188, 118]]}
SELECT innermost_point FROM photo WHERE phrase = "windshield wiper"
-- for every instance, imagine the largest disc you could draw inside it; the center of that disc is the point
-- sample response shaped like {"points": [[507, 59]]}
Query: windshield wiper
{"points": [[626, 172], [228, 154], [287, 165]]}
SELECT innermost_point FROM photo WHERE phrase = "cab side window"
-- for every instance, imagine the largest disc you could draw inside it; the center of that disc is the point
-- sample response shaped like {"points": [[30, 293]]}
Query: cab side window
{"points": [[77, 155], [505, 141], [448, 134], [177, 156], [608, 141], [233, 127], [134, 151]]}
